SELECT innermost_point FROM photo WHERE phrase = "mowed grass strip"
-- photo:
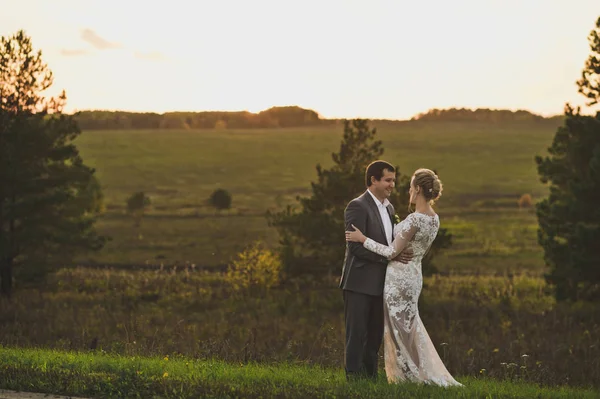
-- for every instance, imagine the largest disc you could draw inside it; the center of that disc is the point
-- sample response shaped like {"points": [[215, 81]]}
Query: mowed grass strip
{"points": [[101, 375]]}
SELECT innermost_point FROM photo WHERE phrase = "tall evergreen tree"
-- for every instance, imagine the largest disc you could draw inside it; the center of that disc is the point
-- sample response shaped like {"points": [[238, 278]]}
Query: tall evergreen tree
{"points": [[49, 199], [311, 237], [589, 84], [569, 219]]}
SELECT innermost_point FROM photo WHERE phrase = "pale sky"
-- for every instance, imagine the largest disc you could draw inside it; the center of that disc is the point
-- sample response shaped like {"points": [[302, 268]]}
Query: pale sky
{"points": [[369, 58]]}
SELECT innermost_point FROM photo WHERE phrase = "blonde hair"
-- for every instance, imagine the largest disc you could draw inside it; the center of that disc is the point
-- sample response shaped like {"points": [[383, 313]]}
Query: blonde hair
{"points": [[430, 184]]}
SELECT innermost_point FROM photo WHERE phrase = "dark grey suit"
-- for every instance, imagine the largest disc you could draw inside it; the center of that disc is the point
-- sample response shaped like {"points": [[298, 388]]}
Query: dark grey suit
{"points": [[362, 280]]}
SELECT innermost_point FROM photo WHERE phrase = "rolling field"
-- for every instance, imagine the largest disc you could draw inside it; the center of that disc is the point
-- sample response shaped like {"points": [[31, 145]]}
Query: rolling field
{"points": [[485, 168]]}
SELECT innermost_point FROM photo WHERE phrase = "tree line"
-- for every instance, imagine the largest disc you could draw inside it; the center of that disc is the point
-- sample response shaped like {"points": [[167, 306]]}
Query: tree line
{"points": [[276, 117], [482, 115]]}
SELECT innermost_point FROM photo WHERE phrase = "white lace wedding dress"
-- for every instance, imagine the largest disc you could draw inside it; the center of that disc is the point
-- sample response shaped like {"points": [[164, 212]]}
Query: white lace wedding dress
{"points": [[408, 351]]}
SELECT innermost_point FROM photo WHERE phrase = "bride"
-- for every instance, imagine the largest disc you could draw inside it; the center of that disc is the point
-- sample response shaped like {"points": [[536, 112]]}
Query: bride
{"points": [[408, 351]]}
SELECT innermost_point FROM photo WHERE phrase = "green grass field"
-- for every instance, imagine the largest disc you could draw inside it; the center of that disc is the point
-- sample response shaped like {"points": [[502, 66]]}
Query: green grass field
{"points": [[100, 375], [485, 169]]}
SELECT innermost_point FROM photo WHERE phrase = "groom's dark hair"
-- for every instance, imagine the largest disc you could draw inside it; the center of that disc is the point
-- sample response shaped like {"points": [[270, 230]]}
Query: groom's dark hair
{"points": [[375, 169]]}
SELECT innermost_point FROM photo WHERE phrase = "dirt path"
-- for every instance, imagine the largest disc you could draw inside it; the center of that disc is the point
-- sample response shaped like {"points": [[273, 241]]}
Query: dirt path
{"points": [[30, 395]]}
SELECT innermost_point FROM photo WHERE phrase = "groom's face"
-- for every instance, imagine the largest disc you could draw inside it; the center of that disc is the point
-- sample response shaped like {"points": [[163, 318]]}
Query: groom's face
{"points": [[383, 188]]}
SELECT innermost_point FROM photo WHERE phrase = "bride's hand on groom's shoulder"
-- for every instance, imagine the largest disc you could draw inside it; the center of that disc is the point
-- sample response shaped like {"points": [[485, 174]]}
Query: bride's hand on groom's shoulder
{"points": [[355, 236]]}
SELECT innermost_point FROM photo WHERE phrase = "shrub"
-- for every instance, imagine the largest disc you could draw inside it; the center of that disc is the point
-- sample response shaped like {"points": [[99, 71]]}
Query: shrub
{"points": [[255, 268], [220, 199], [525, 201], [136, 206]]}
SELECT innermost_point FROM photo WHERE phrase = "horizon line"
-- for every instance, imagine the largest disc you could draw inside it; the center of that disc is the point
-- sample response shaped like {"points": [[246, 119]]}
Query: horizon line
{"points": [[321, 116]]}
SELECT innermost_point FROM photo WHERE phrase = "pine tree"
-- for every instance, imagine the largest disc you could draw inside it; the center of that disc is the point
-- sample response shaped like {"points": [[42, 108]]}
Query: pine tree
{"points": [[311, 237], [49, 199], [589, 84], [569, 219]]}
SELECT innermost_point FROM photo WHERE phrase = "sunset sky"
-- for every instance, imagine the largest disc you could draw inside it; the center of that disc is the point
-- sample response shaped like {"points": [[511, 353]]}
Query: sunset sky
{"points": [[369, 58]]}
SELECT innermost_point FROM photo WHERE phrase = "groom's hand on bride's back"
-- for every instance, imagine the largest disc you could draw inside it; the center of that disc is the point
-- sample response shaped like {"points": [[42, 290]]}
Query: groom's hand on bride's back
{"points": [[404, 256]]}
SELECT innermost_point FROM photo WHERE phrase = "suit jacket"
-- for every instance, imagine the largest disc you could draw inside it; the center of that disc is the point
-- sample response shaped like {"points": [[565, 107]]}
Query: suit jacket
{"points": [[364, 271]]}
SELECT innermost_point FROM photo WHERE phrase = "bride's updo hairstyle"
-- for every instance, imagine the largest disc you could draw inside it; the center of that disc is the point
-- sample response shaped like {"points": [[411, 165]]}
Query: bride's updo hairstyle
{"points": [[430, 183]]}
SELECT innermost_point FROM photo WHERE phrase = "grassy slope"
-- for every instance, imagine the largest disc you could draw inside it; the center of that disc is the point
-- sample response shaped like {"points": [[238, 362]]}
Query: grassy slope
{"points": [[261, 167], [483, 166]]}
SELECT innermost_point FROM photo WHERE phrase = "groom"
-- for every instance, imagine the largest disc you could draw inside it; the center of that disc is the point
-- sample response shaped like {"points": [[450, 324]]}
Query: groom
{"points": [[363, 273]]}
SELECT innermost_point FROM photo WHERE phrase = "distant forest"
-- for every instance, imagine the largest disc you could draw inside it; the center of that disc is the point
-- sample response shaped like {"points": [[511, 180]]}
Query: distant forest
{"points": [[277, 117]]}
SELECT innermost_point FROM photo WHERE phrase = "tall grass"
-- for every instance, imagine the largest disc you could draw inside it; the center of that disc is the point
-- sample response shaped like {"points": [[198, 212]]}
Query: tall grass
{"points": [[501, 327]]}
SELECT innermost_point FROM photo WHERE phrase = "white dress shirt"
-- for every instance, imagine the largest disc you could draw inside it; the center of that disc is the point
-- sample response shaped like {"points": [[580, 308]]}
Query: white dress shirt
{"points": [[385, 217]]}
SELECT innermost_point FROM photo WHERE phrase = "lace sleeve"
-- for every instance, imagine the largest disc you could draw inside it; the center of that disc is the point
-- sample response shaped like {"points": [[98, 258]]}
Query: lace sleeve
{"points": [[407, 230]]}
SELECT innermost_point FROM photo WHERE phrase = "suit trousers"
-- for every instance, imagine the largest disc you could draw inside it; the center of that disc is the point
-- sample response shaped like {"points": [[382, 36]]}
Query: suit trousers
{"points": [[364, 332]]}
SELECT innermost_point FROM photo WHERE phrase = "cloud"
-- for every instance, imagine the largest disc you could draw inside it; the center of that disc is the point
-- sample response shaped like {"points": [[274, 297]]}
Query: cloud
{"points": [[153, 56], [92, 38], [72, 53]]}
